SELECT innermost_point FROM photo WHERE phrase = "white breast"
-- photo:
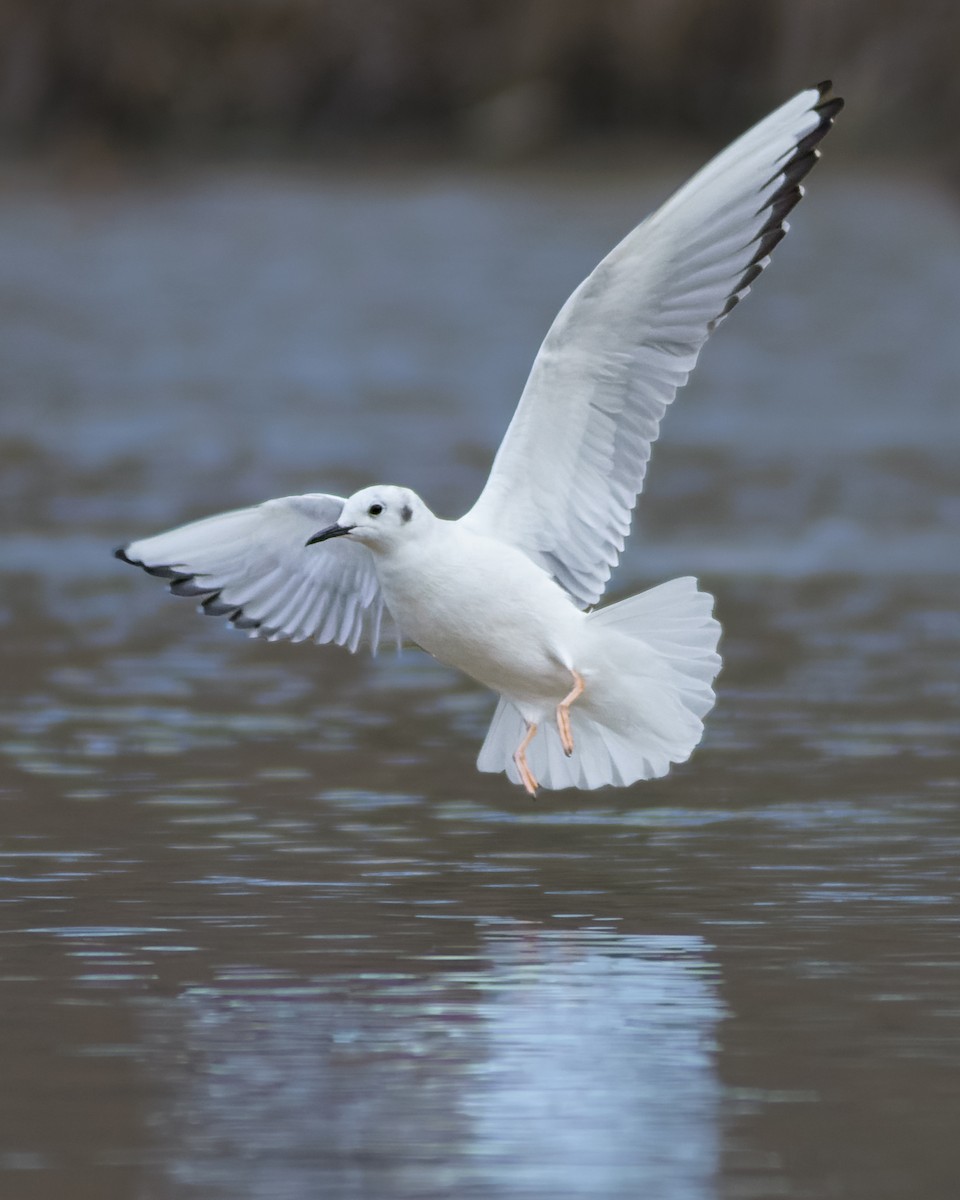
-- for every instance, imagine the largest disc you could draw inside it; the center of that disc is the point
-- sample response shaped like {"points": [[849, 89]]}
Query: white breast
{"points": [[482, 606]]}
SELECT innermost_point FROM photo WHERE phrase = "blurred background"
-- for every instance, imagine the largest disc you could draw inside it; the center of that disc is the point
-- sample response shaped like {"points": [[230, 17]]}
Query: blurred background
{"points": [[264, 931], [501, 77]]}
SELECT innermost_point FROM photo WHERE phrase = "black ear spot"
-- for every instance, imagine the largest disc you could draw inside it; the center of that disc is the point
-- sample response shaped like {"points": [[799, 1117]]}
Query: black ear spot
{"points": [[406, 513]]}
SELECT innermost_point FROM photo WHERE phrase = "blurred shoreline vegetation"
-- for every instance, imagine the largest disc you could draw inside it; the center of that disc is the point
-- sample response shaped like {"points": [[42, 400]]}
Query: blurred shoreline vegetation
{"points": [[494, 78]]}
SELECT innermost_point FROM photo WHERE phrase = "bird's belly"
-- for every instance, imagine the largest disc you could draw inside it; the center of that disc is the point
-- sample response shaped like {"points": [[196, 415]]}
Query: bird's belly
{"points": [[514, 659], [513, 639]]}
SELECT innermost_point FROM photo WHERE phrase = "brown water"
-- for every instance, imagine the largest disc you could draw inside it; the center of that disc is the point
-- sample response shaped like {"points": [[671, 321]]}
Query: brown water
{"points": [[264, 931]]}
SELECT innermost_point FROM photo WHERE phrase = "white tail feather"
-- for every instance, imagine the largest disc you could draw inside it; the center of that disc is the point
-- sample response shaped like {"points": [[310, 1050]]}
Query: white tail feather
{"points": [[660, 699]]}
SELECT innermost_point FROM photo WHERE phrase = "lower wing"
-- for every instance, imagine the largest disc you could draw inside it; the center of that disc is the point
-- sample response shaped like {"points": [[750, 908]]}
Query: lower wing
{"points": [[253, 567]]}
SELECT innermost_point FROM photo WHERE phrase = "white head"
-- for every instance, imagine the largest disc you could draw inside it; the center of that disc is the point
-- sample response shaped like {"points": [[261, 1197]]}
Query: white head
{"points": [[379, 517]]}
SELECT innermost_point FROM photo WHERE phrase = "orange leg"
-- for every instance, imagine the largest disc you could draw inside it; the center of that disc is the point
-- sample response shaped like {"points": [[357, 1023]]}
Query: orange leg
{"points": [[563, 713], [520, 758]]}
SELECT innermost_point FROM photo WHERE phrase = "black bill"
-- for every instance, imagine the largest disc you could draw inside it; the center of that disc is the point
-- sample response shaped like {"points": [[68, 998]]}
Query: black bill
{"points": [[331, 531]]}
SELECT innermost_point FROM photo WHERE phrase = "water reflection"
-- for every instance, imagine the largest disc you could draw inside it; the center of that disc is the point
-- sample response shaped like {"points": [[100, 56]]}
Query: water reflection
{"points": [[549, 1062], [601, 1077]]}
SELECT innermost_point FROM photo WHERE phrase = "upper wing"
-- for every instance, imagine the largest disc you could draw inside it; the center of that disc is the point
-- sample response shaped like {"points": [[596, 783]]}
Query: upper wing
{"points": [[567, 475], [254, 567]]}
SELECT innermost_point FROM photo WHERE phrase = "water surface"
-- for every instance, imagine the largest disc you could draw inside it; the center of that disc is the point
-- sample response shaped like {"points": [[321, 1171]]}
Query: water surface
{"points": [[265, 931]]}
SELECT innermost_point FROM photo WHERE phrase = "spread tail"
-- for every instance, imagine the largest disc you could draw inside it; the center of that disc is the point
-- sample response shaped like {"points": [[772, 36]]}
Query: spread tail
{"points": [[647, 707]]}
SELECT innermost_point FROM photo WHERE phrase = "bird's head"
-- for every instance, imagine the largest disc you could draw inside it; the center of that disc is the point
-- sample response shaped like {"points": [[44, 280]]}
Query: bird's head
{"points": [[380, 517]]}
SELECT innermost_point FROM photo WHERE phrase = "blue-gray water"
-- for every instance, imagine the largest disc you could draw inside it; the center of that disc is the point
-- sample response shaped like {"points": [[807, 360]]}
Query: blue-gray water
{"points": [[264, 932]]}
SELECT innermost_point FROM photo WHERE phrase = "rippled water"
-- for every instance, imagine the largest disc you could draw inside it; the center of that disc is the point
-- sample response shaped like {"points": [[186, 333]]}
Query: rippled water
{"points": [[264, 931]]}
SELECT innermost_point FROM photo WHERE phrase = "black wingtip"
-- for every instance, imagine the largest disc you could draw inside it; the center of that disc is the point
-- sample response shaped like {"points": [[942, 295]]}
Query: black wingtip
{"points": [[184, 584], [828, 106], [160, 572], [240, 621], [787, 195], [213, 606], [828, 109]]}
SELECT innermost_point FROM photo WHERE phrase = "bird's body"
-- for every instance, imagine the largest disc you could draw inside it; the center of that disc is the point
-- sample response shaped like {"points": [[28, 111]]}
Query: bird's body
{"points": [[483, 607], [478, 604], [587, 698]]}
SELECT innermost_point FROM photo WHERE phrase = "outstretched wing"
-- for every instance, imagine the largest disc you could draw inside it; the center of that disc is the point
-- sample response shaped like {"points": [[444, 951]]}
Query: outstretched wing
{"points": [[253, 566], [566, 478]]}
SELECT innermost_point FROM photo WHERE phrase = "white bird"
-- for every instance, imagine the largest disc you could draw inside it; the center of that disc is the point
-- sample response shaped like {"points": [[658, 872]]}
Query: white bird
{"points": [[587, 698]]}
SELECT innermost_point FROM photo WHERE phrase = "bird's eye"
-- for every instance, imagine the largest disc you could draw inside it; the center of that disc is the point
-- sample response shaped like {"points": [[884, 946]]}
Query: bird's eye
{"points": [[375, 510]]}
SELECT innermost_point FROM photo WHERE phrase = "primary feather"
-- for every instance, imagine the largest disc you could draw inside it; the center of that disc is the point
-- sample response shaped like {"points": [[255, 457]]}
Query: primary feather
{"points": [[567, 475], [253, 566]]}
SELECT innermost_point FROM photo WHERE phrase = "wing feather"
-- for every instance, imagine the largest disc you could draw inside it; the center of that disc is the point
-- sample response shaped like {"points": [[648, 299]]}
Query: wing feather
{"points": [[567, 475], [253, 566]]}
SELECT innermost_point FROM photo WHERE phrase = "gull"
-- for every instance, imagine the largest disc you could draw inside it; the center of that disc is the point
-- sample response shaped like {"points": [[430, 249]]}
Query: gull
{"points": [[587, 696]]}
